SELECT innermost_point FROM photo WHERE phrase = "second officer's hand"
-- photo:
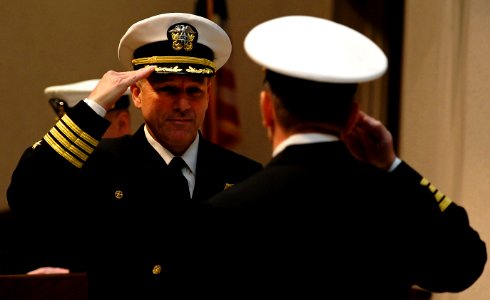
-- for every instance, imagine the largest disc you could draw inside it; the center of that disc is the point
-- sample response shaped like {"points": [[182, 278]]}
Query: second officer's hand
{"points": [[370, 141]]}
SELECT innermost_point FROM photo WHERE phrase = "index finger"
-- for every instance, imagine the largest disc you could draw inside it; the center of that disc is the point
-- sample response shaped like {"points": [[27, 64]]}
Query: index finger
{"points": [[139, 74]]}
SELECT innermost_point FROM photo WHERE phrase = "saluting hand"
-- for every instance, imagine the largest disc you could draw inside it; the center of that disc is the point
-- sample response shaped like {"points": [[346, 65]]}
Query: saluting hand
{"points": [[370, 141], [113, 85]]}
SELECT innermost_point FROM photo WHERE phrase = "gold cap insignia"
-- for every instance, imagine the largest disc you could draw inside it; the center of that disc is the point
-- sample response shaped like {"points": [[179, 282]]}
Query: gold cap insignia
{"points": [[182, 36]]}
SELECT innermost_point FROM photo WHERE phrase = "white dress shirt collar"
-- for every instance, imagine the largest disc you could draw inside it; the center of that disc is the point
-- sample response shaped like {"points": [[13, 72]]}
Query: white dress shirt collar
{"points": [[190, 155], [304, 138]]}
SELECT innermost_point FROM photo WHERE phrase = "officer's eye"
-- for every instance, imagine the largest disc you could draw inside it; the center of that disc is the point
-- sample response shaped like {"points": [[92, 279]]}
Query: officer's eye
{"points": [[168, 89], [195, 91]]}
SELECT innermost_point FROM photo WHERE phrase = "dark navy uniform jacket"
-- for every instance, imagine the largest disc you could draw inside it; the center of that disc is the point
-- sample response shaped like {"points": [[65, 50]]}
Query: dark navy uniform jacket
{"points": [[108, 206], [318, 224]]}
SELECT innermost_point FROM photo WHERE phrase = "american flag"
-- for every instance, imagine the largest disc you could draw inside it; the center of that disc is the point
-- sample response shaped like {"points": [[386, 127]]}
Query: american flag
{"points": [[222, 122]]}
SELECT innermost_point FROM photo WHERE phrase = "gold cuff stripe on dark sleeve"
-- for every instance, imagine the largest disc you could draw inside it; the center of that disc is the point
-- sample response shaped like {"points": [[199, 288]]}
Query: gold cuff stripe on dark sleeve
{"points": [[424, 182], [442, 200], [62, 152], [73, 127], [172, 59], [439, 196], [80, 143], [445, 203], [66, 143]]}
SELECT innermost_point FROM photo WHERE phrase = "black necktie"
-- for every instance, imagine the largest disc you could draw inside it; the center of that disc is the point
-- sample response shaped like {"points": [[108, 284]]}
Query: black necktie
{"points": [[178, 180]]}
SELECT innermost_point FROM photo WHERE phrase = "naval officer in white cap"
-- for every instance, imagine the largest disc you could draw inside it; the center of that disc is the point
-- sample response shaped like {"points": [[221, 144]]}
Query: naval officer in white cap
{"points": [[335, 214], [65, 96], [132, 211]]}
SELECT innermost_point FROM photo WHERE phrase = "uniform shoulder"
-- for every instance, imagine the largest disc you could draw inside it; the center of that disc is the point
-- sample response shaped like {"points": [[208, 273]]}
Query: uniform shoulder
{"points": [[227, 155]]}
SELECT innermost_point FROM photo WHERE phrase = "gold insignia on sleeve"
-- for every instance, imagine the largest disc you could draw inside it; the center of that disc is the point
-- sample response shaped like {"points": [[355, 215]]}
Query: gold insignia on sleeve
{"points": [[38, 143], [424, 182], [444, 203], [51, 142], [70, 141], [228, 185], [440, 198]]}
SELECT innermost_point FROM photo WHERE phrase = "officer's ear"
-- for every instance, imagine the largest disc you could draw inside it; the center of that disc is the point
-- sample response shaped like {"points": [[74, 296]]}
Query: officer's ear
{"points": [[267, 109], [135, 93]]}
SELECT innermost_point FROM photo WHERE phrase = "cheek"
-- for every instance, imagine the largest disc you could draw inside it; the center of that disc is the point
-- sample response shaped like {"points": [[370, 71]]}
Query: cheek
{"points": [[201, 108], [152, 108], [149, 100]]}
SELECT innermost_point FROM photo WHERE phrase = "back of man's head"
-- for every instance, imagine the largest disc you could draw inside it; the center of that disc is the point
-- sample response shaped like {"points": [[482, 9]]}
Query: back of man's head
{"points": [[313, 101], [313, 65]]}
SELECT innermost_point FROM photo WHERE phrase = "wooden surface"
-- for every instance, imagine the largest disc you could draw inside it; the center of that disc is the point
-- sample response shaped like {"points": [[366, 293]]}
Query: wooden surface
{"points": [[37, 287]]}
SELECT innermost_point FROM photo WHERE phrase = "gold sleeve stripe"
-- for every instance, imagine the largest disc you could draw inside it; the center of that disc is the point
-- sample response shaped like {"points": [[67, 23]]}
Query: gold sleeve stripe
{"points": [[445, 203], [79, 131], [439, 196], [66, 143], [424, 182], [62, 152], [80, 143]]}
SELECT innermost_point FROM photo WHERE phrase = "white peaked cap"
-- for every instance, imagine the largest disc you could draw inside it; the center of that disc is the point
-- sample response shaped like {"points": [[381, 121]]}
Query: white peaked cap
{"points": [[315, 49], [72, 93], [178, 43]]}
